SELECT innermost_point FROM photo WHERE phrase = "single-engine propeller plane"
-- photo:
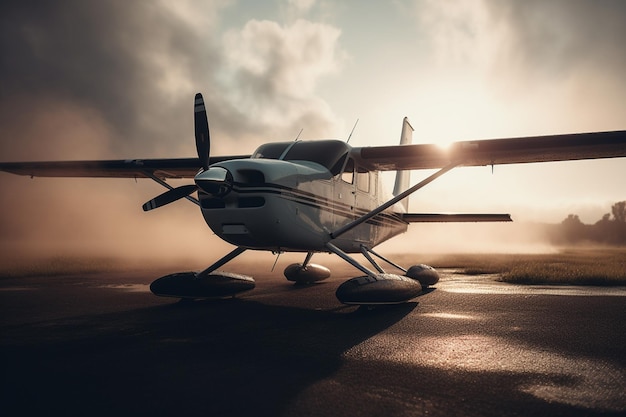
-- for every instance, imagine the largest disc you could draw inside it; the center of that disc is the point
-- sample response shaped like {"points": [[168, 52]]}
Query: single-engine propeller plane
{"points": [[319, 196]]}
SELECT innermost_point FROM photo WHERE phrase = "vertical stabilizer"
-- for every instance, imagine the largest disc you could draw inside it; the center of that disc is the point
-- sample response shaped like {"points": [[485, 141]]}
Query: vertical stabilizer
{"points": [[403, 177]]}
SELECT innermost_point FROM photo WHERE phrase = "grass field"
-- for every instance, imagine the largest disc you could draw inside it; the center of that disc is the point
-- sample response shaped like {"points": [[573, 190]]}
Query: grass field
{"points": [[600, 266]]}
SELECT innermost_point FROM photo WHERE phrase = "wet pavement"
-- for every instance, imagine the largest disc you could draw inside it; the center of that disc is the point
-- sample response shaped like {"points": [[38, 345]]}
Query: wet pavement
{"points": [[101, 344]]}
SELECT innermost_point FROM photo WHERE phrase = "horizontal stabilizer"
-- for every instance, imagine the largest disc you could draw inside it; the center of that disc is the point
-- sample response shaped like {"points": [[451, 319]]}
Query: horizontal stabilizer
{"points": [[454, 218]]}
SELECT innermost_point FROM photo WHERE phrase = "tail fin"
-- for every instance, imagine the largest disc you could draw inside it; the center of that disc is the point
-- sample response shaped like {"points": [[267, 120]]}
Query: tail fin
{"points": [[403, 177]]}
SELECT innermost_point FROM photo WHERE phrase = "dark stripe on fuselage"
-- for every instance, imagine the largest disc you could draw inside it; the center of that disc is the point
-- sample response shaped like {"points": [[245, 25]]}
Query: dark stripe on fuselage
{"points": [[322, 203]]}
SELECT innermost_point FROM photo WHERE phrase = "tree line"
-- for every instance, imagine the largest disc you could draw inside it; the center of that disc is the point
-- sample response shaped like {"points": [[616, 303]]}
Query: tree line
{"points": [[609, 230]]}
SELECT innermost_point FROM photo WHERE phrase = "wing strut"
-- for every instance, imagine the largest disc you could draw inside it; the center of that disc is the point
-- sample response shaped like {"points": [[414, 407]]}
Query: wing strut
{"points": [[399, 197]]}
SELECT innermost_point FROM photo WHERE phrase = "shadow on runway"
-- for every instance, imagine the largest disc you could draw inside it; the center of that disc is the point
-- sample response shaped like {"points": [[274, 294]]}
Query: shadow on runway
{"points": [[231, 357]]}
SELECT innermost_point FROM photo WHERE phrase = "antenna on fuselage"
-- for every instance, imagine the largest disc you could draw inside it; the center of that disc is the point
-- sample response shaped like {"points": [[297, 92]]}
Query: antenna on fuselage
{"points": [[352, 131], [299, 133]]}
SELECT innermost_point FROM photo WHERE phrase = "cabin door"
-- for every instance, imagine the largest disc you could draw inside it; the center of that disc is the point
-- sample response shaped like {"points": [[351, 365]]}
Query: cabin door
{"points": [[345, 195]]}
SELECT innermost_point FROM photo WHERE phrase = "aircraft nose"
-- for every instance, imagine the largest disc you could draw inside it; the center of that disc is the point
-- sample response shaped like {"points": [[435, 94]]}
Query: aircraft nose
{"points": [[215, 181]]}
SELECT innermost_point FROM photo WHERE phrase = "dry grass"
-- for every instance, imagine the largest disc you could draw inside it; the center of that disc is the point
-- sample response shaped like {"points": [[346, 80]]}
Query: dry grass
{"points": [[598, 266]]}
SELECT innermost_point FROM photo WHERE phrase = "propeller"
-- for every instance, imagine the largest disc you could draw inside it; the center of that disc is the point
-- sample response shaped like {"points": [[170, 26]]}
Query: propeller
{"points": [[203, 139], [170, 196], [210, 181]]}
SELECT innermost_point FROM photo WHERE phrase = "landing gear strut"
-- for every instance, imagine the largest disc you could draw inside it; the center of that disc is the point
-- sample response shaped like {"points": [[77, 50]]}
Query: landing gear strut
{"points": [[205, 284], [306, 273], [380, 287]]}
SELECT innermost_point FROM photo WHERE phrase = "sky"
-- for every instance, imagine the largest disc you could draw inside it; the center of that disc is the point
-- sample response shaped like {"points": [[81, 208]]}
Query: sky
{"points": [[116, 79]]}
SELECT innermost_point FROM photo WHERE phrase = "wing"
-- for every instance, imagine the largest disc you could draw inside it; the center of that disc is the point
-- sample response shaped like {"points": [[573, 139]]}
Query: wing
{"points": [[131, 168], [497, 151]]}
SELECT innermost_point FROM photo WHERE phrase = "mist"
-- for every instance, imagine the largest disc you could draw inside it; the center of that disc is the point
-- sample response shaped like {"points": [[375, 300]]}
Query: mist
{"points": [[116, 79], [487, 238]]}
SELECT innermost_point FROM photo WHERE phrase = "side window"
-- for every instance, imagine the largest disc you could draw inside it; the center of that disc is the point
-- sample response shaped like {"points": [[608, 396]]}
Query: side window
{"points": [[363, 179], [348, 172]]}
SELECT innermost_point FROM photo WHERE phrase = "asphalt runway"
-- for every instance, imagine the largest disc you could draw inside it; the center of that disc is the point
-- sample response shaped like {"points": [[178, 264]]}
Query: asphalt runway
{"points": [[102, 345]]}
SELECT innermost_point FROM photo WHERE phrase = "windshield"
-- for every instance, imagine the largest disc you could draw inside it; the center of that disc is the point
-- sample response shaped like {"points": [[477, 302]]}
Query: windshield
{"points": [[328, 153]]}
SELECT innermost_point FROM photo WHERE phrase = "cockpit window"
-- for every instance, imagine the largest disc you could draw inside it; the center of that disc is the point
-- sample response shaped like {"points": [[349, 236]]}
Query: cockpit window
{"points": [[348, 172], [271, 150], [362, 179], [329, 153]]}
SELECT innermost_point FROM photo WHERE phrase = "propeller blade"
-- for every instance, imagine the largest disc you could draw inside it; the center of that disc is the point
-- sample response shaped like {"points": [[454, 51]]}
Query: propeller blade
{"points": [[203, 140], [170, 196]]}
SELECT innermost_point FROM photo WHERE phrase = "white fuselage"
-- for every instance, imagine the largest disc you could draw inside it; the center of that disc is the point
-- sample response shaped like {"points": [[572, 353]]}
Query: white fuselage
{"points": [[294, 205]]}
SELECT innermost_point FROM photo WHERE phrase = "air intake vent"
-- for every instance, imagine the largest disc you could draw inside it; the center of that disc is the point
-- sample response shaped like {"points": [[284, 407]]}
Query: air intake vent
{"points": [[212, 203], [250, 177], [250, 202]]}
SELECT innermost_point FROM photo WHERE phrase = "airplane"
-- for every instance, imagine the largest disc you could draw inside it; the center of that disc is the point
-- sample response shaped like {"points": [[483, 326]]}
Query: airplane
{"points": [[320, 196]]}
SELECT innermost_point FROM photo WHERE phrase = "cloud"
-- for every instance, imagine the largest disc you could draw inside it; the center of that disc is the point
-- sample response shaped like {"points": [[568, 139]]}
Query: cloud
{"points": [[273, 71], [531, 38], [561, 35], [116, 79], [569, 52], [134, 63], [137, 65], [537, 67], [457, 31], [52, 128], [301, 6]]}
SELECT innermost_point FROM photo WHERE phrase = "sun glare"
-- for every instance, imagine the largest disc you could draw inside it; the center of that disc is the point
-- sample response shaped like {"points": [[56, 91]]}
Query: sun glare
{"points": [[444, 145]]}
